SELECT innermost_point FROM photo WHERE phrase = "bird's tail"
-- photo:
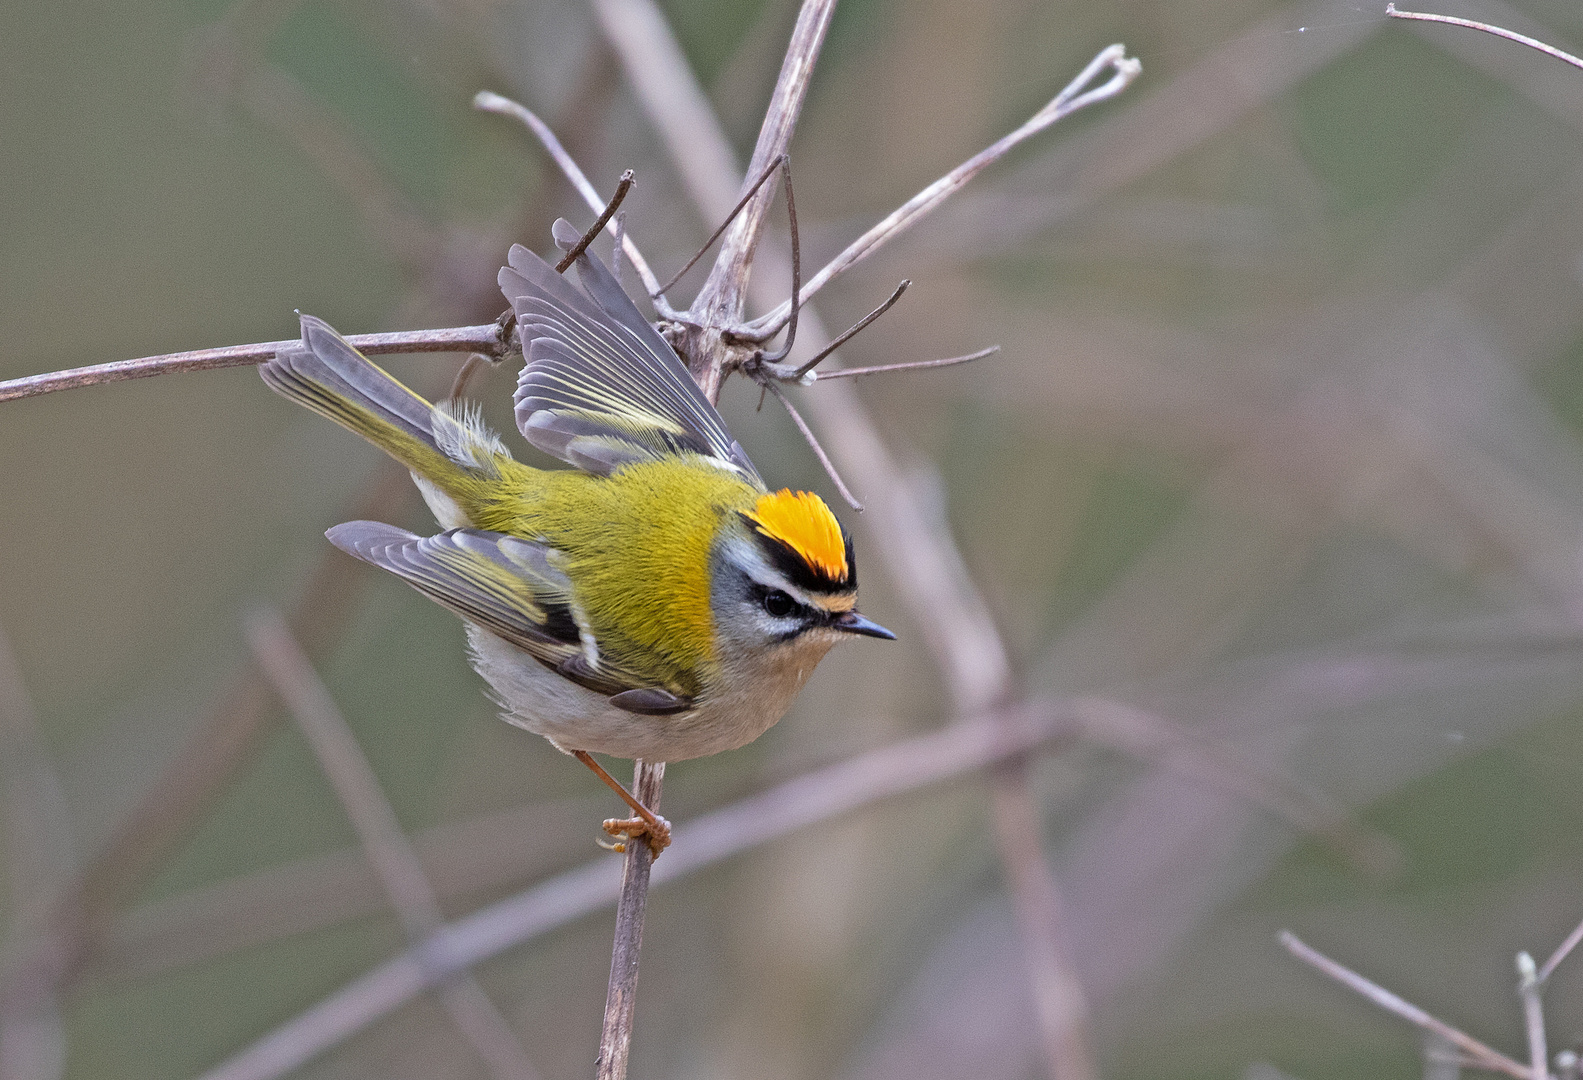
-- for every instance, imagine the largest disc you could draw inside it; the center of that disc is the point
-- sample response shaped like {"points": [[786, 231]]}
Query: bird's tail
{"points": [[444, 444]]}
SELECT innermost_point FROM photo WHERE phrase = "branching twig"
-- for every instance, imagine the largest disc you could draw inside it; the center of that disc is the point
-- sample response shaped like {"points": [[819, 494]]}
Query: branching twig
{"points": [[491, 339], [1488, 1057], [976, 684], [1074, 97], [852, 332], [970, 650], [1488, 28], [417, 907]]}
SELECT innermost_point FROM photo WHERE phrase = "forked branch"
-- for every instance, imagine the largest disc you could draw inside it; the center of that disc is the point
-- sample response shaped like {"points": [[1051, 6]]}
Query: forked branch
{"points": [[1486, 1056], [1077, 95]]}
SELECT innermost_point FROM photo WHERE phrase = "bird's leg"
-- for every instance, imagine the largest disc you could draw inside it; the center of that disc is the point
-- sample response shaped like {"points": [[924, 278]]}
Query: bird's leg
{"points": [[647, 823]]}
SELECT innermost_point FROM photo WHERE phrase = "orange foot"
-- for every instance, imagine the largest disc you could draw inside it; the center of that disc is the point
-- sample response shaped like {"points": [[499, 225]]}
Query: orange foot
{"points": [[657, 831]]}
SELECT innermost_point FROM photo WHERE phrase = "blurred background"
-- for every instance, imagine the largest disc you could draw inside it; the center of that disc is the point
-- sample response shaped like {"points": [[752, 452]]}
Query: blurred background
{"points": [[1284, 447]]}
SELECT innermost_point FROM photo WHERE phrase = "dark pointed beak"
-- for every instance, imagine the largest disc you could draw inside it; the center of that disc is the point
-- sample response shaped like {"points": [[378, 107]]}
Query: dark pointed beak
{"points": [[853, 623]]}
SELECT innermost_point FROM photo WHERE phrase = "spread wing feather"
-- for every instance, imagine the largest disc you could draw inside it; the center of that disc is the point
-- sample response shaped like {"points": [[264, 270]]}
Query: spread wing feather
{"points": [[601, 387], [505, 584]]}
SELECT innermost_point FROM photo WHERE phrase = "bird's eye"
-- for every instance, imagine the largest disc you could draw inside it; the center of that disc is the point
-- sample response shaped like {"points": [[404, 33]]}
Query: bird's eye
{"points": [[778, 604]]}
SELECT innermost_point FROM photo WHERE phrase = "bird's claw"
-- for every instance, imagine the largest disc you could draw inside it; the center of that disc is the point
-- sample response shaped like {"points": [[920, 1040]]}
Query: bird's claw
{"points": [[657, 832]]}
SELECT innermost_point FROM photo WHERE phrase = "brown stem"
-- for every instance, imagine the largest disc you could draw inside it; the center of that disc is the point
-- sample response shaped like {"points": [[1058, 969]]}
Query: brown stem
{"points": [[491, 339], [623, 186], [615, 1038]]}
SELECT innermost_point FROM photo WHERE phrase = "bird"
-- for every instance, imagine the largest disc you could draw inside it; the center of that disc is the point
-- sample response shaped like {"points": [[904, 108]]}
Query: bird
{"points": [[656, 600]]}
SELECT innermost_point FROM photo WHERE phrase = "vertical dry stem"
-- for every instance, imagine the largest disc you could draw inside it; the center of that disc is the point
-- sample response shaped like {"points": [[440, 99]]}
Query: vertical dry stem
{"points": [[615, 1039]]}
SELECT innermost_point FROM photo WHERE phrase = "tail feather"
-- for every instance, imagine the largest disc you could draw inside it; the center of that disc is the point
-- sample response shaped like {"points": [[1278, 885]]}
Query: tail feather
{"points": [[325, 374]]}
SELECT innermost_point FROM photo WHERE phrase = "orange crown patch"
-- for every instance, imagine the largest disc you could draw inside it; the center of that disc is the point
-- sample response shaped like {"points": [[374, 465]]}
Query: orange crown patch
{"points": [[802, 521]]}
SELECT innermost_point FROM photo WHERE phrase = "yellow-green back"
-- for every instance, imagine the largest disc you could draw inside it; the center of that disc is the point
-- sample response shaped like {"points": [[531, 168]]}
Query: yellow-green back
{"points": [[637, 543]]}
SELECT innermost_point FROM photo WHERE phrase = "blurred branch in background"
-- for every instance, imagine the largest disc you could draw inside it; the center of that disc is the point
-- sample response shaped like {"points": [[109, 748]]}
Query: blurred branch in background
{"points": [[472, 856], [1482, 1056], [38, 863], [400, 871]]}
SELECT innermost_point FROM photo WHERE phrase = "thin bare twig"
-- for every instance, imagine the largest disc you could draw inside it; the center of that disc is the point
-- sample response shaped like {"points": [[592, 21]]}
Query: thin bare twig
{"points": [[909, 365], [813, 442], [615, 1035], [1488, 28], [1563, 950], [490, 339], [504, 106], [852, 332], [1074, 97], [753, 190], [464, 375], [1488, 1057], [1531, 991], [623, 186], [796, 274], [417, 907]]}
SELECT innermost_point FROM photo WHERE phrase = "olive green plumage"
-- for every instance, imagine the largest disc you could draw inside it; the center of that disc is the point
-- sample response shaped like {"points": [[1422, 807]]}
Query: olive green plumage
{"points": [[655, 601]]}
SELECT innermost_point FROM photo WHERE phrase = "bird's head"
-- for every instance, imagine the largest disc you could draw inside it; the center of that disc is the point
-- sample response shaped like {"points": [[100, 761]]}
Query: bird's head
{"points": [[783, 572]]}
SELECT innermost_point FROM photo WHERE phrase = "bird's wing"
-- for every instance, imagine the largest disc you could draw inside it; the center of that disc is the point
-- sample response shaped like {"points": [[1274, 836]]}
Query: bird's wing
{"points": [[510, 587], [602, 388]]}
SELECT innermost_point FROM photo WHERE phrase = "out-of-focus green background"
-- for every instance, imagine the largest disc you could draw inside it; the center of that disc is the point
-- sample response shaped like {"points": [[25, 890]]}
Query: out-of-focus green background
{"points": [[1283, 445]]}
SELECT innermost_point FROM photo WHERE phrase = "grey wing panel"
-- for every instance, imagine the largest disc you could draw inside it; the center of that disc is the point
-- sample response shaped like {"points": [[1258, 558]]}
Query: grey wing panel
{"points": [[505, 584], [597, 370]]}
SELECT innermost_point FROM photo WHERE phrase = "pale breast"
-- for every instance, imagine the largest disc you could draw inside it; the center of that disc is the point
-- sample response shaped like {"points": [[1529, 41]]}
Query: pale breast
{"points": [[751, 695]]}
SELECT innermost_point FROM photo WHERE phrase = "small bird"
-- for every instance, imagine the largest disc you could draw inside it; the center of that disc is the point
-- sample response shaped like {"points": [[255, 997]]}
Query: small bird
{"points": [[657, 601]]}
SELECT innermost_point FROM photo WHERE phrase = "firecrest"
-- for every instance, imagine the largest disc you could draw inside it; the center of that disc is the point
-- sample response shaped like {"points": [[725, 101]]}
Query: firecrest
{"points": [[657, 601]]}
